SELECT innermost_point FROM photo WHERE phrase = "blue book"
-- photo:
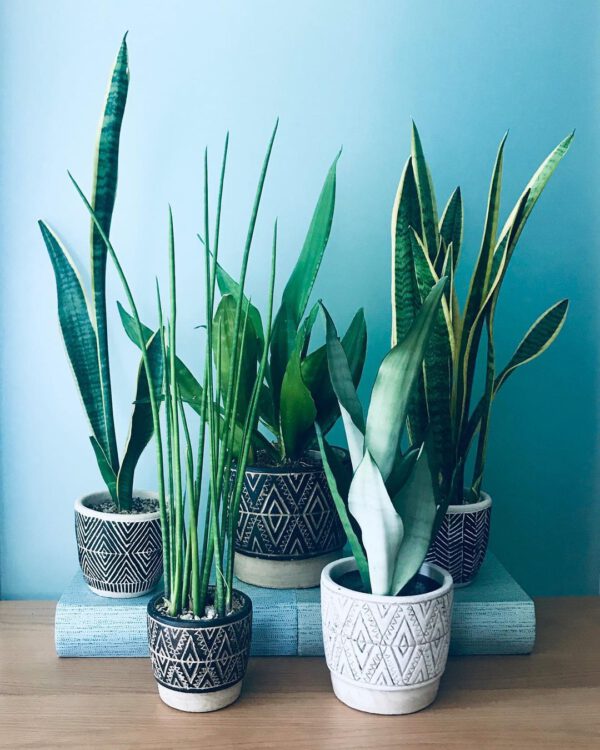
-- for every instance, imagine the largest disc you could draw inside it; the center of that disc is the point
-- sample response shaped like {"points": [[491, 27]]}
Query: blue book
{"points": [[491, 616]]}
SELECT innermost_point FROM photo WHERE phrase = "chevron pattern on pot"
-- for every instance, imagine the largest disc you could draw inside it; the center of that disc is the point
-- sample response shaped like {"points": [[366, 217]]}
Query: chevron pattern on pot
{"points": [[386, 645], [199, 658], [287, 515], [461, 543], [119, 556]]}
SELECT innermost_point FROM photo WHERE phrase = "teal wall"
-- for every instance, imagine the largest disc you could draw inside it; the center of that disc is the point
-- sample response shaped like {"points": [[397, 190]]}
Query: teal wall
{"points": [[337, 73]]}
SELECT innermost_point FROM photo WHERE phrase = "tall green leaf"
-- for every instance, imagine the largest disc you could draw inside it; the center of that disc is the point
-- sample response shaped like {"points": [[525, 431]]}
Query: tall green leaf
{"points": [[78, 334], [427, 202], [406, 216], [297, 409], [141, 426], [299, 286], [394, 382], [246, 347], [104, 188], [438, 380], [451, 224], [106, 470], [228, 285]]}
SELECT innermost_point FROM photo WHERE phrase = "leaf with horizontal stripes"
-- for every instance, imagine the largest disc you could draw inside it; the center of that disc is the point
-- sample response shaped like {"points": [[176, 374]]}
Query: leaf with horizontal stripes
{"points": [[427, 202]]}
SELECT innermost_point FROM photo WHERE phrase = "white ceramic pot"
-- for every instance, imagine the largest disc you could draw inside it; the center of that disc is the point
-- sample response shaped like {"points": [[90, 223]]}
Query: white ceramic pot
{"points": [[120, 554], [461, 542], [386, 654]]}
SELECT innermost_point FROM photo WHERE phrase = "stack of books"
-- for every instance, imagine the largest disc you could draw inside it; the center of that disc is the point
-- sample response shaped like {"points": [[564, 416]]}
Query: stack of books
{"points": [[491, 616]]}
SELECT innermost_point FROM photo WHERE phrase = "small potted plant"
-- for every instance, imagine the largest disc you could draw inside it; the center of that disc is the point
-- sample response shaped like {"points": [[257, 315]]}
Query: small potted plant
{"points": [[424, 248], [117, 530], [288, 527], [199, 632], [386, 614]]}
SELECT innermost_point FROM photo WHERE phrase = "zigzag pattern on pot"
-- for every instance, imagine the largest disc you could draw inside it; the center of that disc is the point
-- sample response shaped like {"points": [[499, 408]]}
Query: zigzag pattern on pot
{"points": [[287, 515], [390, 645], [119, 557], [461, 543], [199, 658]]}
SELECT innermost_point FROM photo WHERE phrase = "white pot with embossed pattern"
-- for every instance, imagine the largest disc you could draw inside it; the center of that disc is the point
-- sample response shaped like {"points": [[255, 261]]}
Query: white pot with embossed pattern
{"points": [[386, 654]]}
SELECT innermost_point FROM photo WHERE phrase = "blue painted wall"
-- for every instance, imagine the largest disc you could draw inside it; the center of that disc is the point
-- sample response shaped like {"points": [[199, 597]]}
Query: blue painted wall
{"points": [[350, 73]]}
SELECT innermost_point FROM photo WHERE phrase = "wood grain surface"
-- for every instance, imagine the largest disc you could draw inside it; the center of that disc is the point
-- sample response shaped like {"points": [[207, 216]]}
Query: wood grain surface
{"points": [[550, 699]]}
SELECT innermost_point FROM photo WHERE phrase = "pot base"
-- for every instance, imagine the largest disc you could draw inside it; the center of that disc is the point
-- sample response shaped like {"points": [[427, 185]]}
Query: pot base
{"points": [[283, 574], [391, 702], [120, 594], [200, 702]]}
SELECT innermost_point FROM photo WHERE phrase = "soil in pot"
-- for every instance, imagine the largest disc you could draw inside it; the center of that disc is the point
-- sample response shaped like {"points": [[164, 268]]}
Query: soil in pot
{"points": [[139, 505], [418, 585]]}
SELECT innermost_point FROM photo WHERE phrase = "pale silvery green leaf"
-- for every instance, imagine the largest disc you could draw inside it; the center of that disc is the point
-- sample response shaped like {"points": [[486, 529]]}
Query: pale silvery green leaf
{"points": [[415, 503], [381, 527]]}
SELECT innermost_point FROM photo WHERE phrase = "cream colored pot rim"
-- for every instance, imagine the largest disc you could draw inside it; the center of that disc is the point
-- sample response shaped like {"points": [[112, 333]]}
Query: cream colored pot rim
{"points": [[471, 507], [84, 506], [348, 564]]}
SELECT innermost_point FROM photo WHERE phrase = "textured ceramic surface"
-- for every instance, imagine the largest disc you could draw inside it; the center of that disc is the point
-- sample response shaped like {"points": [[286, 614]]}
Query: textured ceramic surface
{"points": [[462, 540], [120, 555], [386, 654], [283, 574], [199, 665], [288, 515]]}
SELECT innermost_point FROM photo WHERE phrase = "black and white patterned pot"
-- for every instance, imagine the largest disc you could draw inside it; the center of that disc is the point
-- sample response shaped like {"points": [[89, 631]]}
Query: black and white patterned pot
{"points": [[199, 665], [288, 527], [462, 540], [386, 654], [120, 554]]}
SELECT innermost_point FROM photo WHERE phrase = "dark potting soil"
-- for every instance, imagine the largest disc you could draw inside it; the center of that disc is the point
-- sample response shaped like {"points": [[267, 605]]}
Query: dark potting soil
{"points": [[139, 505], [419, 584]]}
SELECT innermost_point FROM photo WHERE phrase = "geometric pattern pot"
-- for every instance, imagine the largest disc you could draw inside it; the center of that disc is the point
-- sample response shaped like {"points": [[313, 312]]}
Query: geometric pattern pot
{"points": [[461, 542], [120, 555], [287, 515], [199, 664], [386, 654]]}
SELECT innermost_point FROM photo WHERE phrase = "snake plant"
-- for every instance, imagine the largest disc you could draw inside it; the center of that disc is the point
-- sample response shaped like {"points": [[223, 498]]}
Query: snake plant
{"points": [[386, 503], [296, 390], [192, 545], [425, 247], [84, 325]]}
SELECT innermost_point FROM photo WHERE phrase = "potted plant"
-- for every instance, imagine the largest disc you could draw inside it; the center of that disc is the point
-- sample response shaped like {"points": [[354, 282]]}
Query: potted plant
{"points": [[117, 530], [386, 614], [199, 631], [424, 248], [288, 527]]}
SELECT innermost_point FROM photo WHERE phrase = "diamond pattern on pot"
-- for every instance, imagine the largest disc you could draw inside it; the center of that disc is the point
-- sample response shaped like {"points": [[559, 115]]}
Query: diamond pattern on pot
{"points": [[199, 657], [287, 515], [118, 556], [395, 644]]}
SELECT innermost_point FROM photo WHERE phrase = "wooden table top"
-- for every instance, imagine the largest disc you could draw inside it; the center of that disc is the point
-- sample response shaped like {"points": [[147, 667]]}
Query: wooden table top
{"points": [[550, 699]]}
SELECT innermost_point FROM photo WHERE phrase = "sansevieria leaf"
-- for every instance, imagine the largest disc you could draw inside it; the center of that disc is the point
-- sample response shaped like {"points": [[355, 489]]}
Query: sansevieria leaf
{"points": [[104, 188], [298, 411], [338, 480], [345, 390], [538, 338], [415, 504], [141, 427], [78, 333], [299, 286], [381, 526], [406, 217], [316, 376], [451, 224], [393, 385], [427, 202]]}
